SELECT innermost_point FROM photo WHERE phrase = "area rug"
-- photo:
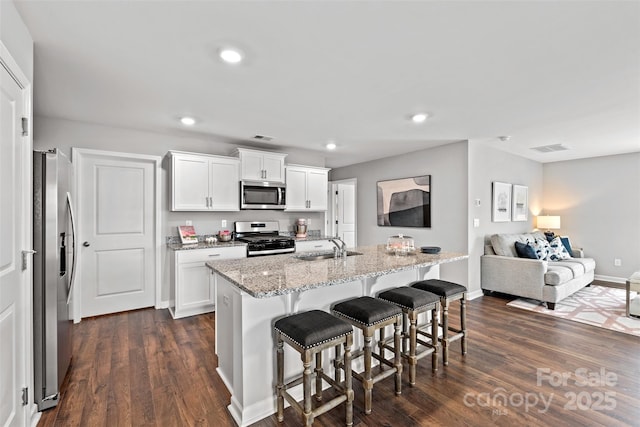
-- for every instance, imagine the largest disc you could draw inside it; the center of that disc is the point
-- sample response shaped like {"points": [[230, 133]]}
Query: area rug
{"points": [[595, 305]]}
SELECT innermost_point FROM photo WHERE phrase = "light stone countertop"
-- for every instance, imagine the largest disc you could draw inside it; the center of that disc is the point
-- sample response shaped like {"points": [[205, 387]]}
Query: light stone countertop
{"points": [[178, 246], [267, 276]]}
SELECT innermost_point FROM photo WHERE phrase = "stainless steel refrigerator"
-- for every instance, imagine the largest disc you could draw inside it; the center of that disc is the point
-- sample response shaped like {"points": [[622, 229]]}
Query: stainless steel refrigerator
{"points": [[53, 273]]}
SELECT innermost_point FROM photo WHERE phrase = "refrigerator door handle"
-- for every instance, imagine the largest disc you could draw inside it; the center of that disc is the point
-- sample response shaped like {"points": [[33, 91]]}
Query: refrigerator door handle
{"points": [[73, 247]]}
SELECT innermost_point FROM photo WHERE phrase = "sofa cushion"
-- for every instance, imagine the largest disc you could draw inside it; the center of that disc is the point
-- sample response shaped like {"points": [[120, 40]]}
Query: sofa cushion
{"points": [[557, 251], [557, 274], [576, 268], [504, 244], [525, 250], [589, 264]]}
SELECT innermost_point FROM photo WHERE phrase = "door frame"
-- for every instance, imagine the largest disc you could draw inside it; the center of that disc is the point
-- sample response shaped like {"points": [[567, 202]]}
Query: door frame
{"points": [[30, 412], [333, 203], [77, 157]]}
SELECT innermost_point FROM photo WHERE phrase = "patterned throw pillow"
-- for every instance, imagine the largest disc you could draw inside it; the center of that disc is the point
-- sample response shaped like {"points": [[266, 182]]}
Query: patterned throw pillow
{"points": [[557, 251], [542, 249]]}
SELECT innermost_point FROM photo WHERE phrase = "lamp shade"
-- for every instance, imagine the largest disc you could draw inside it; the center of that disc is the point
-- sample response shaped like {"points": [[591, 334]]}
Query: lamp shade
{"points": [[549, 222]]}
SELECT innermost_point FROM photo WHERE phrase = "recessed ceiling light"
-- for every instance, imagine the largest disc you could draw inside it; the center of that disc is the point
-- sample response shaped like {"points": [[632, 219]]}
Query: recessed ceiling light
{"points": [[230, 55], [331, 146], [188, 121], [419, 117]]}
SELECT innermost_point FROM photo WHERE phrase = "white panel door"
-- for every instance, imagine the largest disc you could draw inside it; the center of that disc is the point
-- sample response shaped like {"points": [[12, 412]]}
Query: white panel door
{"points": [[117, 211], [346, 213], [13, 279]]}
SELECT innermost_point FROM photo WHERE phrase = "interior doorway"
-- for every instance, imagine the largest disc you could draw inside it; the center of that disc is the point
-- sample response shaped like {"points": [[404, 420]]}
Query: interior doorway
{"points": [[343, 211]]}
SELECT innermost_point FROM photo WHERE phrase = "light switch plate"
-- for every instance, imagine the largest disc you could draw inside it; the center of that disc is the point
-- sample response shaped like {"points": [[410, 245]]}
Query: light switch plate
{"points": [[476, 222], [223, 223]]}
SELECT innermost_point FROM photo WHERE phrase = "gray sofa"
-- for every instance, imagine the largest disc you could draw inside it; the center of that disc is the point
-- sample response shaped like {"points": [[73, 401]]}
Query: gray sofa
{"points": [[548, 281]]}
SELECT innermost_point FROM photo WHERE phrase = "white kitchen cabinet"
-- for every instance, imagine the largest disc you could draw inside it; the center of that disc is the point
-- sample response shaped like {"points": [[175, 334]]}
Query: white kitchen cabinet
{"points": [[261, 165], [193, 289], [314, 245], [307, 188], [201, 182]]}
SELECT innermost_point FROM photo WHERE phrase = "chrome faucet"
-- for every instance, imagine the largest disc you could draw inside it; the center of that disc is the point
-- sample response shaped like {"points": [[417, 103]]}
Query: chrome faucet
{"points": [[340, 249]]}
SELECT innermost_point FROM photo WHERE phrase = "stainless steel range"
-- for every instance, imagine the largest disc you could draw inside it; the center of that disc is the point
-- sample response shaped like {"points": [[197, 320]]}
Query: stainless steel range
{"points": [[263, 238]]}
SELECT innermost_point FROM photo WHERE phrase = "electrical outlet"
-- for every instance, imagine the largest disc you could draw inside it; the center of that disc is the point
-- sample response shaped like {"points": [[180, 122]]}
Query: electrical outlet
{"points": [[617, 262], [188, 222], [223, 223], [476, 222]]}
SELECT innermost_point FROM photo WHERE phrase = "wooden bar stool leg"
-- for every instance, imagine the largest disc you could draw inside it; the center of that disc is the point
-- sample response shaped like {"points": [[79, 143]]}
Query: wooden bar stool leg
{"points": [[381, 347], [336, 368], [318, 376], [434, 338], [348, 382], [367, 383], [445, 331], [413, 319], [463, 323], [307, 416], [398, 355], [280, 373]]}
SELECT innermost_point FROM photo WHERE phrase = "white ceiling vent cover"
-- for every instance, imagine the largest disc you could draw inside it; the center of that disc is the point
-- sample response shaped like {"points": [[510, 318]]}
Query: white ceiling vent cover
{"points": [[550, 148], [264, 138]]}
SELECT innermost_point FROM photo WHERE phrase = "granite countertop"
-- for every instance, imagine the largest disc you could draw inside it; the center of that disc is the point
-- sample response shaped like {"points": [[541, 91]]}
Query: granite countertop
{"points": [[312, 238], [268, 276], [178, 246]]}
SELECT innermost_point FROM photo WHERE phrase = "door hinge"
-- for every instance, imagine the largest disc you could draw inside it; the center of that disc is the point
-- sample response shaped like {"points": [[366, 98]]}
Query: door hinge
{"points": [[25, 396], [25, 126], [336, 192], [25, 258]]}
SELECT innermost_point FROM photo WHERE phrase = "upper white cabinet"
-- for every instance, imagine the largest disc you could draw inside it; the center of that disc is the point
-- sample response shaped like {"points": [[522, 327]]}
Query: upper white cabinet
{"points": [[307, 188], [261, 165], [204, 183]]}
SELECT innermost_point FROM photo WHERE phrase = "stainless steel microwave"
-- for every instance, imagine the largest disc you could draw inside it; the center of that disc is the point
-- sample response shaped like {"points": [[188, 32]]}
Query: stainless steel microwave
{"points": [[262, 195]]}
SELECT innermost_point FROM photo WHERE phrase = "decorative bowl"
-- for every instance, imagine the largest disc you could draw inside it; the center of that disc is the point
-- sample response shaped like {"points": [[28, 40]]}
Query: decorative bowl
{"points": [[224, 237]]}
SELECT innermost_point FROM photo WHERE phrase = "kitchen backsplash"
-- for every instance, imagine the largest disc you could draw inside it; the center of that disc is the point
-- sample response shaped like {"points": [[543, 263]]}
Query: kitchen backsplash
{"points": [[202, 237]]}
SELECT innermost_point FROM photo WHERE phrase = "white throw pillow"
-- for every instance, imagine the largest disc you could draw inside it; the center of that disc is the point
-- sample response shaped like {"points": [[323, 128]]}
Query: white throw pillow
{"points": [[557, 251], [541, 246]]}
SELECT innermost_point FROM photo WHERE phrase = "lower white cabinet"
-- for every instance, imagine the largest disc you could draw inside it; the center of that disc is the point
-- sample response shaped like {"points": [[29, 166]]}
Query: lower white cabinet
{"points": [[193, 289], [314, 245]]}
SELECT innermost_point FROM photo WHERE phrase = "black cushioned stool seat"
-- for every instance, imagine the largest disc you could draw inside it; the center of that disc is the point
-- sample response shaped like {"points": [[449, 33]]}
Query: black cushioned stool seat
{"points": [[310, 333], [448, 292], [413, 301], [371, 314]]}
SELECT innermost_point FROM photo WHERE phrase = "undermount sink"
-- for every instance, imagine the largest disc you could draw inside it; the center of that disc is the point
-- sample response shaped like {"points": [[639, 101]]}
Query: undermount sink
{"points": [[324, 255]]}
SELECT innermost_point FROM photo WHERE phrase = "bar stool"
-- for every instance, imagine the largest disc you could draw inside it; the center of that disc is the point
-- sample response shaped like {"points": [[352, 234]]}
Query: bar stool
{"points": [[310, 333], [448, 292], [371, 314], [412, 302]]}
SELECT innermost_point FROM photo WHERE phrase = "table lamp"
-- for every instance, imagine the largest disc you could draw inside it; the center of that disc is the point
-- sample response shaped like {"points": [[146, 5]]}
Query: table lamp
{"points": [[548, 222]]}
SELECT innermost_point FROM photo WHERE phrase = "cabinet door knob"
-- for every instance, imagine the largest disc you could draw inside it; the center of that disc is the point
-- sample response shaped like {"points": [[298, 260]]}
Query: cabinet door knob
{"points": [[86, 244]]}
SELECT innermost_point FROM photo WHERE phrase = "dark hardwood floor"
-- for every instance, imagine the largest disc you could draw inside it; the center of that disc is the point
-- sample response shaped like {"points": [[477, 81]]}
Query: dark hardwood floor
{"points": [[143, 368]]}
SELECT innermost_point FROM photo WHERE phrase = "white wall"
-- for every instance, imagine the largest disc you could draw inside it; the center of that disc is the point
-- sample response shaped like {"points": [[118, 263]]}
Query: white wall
{"points": [[64, 134], [598, 200], [447, 166], [16, 38], [487, 165]]}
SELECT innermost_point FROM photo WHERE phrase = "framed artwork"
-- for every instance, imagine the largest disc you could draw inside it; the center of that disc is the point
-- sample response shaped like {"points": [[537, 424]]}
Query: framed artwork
{"points": [[405, 202], [520, 203], [501, 206]]}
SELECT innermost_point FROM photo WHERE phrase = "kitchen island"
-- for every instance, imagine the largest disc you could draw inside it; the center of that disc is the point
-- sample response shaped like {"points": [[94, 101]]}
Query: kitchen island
{"points": [[253, 293]]}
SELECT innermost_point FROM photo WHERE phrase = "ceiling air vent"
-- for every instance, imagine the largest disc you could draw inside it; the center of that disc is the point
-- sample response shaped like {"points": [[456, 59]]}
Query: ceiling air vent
{"points": [[264, 138], [550, 148]]}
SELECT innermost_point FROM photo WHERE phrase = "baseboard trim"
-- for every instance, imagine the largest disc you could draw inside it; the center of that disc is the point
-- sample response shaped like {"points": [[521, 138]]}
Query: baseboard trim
{"points": [[474, 294], [162, 304], [611, 279]]}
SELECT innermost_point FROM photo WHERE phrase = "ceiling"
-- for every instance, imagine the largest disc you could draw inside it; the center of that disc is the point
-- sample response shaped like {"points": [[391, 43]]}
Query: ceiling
{"points": [[541, 72]]}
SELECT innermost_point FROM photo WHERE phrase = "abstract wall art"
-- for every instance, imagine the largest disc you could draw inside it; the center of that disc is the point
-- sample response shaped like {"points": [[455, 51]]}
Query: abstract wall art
{"points": [[405, 202]]}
